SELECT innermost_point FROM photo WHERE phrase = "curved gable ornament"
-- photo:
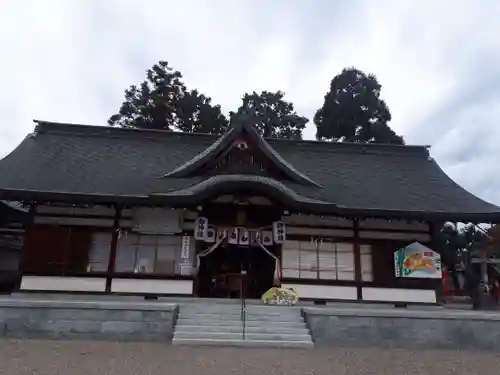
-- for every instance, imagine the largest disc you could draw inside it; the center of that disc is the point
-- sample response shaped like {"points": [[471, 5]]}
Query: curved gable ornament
{"points": [[242, 137], [221, 184]]}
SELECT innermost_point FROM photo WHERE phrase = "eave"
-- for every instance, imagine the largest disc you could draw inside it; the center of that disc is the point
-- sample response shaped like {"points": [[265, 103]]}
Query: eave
{"points": [[185, 201]]}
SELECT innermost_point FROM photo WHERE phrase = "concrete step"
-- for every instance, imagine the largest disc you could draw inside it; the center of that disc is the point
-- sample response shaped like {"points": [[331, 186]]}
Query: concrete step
{"points": [[237, 328], [253, 308], [258, 312], [237, 316], [307, 344], [236, 336], [249, 323]]}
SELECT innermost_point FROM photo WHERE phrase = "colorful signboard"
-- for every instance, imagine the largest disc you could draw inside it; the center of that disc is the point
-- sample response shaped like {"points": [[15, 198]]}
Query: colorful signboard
{"points": [[417, 261]]}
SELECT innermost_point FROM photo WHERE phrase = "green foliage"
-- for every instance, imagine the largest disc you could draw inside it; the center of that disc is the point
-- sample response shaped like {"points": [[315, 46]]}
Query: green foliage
{"points": [[353, 111], [272, 115], [459, 245], [196, 114], [163, 102]]}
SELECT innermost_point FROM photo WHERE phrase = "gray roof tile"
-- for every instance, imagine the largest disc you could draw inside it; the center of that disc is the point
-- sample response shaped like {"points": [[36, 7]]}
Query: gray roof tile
{"points": [[78, 159]]}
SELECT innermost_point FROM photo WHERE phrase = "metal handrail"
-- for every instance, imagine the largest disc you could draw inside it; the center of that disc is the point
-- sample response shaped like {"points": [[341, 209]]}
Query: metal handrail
{"points": [[243, 313]]}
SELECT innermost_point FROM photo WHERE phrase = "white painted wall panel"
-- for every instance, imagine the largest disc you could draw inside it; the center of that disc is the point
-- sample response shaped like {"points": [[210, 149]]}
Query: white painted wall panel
{"points": [[83, 211], [64, 284], [421, 237], [324, 292], [399, 295], [152, 286], [77, 211], [312, 220], [394, 224], [157, 220], [291, 230], [74, 221]]}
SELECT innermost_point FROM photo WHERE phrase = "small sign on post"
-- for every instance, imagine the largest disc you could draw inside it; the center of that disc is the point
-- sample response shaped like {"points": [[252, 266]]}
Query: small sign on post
{"points": [[185, 247]]}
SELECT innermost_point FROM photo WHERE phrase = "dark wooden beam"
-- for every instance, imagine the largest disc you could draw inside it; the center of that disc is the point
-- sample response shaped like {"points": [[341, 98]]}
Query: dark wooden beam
{"points": [[434, 231], [27, 226], [113, 247], [358, 276]]}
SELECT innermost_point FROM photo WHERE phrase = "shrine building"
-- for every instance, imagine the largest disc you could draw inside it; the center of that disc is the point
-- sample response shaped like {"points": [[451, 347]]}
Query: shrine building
{"points": [[154, 213]]}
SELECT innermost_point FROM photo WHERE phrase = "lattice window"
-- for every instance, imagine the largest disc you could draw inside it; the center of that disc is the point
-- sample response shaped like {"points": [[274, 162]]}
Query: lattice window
{"points": [[323, 260], [99, 252], [366, 263], [158, 254]]}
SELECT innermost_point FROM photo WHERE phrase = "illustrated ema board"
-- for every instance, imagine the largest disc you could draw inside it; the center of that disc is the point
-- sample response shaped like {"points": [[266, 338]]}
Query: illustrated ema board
{"points": [[417, 261]]}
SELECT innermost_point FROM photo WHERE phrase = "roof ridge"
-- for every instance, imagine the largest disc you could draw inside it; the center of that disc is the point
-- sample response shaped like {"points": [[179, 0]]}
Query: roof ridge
{"points": [[54, 127], [85, 129], [351, 144], [358, 148]]}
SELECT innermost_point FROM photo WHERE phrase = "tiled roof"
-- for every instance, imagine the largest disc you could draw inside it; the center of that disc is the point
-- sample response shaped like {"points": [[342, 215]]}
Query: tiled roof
{"points": [[229, 137], [71, 161]]}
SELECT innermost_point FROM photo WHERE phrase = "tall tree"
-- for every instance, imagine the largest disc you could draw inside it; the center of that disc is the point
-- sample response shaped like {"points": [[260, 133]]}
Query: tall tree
{"points": [[196, 114], [271, 115], [162, 101], [353, 111]]}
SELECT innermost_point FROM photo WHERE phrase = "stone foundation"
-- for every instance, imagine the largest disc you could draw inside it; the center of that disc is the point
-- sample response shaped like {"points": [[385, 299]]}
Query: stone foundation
{"points": [[431, 328], [97, 320]]}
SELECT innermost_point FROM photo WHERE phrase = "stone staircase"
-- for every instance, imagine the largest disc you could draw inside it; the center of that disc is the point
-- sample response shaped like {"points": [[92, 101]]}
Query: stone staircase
{"points": [[220, 324]]}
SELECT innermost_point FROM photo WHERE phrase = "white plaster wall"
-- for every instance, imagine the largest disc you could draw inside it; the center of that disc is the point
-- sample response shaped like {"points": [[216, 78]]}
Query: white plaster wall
{"points": [[77, 211], [79, 216], [421, 237], [399, 295], [66, 284], [324, 292], [157, 220], [74, 221], [394, 224], [292, 230], [312, 220], [152, 286]]}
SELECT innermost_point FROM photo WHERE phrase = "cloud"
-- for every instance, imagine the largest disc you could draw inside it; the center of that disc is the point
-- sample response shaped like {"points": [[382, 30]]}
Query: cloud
{"points": [[439, 64]]}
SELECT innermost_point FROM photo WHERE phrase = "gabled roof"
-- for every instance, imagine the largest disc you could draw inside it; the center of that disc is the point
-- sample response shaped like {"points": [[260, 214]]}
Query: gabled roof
{"points": [[80, 163], [226, 140]]}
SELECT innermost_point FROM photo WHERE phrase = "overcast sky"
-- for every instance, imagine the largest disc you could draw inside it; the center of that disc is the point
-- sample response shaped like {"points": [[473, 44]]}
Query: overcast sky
{"points": [[438, 63]]}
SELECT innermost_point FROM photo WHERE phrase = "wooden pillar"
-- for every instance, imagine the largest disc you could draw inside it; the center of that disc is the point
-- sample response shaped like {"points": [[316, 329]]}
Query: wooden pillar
{"points": [[357, 261], [26, 226], [113, 247], [434, 229]]}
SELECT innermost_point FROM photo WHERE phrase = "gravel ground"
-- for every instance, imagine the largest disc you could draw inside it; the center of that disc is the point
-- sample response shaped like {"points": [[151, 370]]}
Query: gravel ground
{"points": [[85, 357]]}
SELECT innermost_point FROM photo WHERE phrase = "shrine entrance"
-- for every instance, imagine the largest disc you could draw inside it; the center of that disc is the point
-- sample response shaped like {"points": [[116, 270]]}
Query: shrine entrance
{"points": [[233, 271], [237, 254]]}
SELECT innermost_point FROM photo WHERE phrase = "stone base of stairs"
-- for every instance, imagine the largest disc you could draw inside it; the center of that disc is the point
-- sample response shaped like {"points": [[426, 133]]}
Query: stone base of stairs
{"points": [[244, 343], [220, 325]]}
